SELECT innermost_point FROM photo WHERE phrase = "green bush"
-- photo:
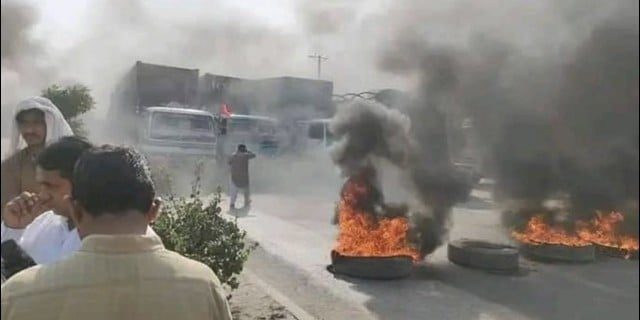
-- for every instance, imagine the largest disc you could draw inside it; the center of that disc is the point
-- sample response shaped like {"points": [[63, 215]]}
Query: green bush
{"points": [[197, 230]]}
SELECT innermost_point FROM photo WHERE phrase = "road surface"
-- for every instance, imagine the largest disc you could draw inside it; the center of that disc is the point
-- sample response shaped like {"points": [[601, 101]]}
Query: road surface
{"points": [[296, 237]]}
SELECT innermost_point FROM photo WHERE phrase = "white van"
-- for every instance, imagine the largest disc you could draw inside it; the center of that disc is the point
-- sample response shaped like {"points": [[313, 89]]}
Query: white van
{"points": [[317, 132], [177, 132]]}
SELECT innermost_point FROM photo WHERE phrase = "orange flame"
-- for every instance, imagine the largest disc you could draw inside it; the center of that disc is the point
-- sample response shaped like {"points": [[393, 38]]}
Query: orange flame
{"points": [[602, 230], [363, 234], [539, 232]]}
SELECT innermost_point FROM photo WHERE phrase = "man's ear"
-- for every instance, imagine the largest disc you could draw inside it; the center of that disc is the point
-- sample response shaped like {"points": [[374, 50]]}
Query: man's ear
{"points": [[77, 213], [154, 211]]}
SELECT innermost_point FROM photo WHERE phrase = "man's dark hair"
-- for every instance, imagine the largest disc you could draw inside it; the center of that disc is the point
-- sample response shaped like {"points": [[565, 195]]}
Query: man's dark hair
{"points": [[113, 180], [62, 155], [242, 148], [20, 116]]}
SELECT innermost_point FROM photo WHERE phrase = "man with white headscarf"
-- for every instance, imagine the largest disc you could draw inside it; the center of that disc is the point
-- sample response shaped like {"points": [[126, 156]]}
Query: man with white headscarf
{"points": [[36, 124]]}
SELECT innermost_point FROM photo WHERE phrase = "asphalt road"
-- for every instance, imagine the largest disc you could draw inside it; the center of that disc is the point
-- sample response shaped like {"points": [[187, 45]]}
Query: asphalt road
{"points": [[296, 237]]}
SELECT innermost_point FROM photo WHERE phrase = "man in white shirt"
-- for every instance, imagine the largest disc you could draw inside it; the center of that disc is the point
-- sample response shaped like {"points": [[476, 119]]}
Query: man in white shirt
{"points": [[50, 236]]}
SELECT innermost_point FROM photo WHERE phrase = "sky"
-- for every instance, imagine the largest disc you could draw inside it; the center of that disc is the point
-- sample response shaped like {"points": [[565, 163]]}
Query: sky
{"points": [[62, 21], [63, 24]]}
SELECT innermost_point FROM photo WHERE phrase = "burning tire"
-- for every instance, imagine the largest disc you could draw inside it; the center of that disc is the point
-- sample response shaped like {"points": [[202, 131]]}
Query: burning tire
{"points": [[615, 252], [559, 253], [483, 255], [378, 268]]}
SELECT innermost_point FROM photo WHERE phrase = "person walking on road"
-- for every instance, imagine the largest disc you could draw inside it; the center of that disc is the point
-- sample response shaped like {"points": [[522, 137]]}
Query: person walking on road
{"points": [[239, 164]]}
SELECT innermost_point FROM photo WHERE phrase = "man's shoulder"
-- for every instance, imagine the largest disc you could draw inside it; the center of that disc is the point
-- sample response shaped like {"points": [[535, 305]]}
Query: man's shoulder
{"points": [[45, 217], [46, 220], [14, 158], [44, 236], [194, 267], [184, 267], [45, 277], [23, 283]]}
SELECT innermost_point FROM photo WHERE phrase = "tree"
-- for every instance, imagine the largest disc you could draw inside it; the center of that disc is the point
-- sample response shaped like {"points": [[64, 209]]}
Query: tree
{"points": [[72, 101]]}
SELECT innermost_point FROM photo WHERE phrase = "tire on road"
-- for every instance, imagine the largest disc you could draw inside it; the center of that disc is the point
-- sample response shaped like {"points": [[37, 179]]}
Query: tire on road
{"points": [[373, 268], [483, 255], [559, 253], [615, 252]]}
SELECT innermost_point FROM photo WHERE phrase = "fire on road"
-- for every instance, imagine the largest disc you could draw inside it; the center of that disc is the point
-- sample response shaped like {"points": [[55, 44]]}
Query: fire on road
{"points": [[296, 238]]}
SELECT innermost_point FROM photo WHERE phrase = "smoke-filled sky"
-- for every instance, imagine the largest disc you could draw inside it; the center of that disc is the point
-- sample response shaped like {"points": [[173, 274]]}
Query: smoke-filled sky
{"points": [[94, 42], [516, 49]]}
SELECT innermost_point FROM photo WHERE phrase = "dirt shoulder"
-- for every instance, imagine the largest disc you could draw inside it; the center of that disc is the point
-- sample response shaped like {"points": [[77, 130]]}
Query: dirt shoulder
{"points": [[251, 301]]}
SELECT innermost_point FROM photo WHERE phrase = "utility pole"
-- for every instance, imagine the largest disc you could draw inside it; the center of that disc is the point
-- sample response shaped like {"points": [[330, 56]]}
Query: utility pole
{"points": [[319, 58]]}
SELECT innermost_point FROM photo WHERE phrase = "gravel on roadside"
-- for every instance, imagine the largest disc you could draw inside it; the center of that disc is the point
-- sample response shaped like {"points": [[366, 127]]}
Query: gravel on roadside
{"points": [[251, 302]]}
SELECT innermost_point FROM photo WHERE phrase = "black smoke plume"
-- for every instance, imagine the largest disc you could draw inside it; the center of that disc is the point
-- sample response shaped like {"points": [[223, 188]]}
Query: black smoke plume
{"points": [[556, 121], [369, 135]]}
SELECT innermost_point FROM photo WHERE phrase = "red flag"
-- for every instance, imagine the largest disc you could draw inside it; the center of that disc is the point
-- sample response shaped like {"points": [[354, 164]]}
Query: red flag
{"points": [[225, 111]]}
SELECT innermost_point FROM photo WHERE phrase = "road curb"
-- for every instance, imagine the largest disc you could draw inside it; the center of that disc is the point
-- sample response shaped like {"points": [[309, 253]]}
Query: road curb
{"points": [[291, 306]]}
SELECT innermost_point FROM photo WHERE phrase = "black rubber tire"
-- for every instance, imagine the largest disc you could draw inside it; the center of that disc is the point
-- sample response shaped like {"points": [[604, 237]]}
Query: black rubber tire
{"points": [[374, 268], [615, 253], [559, 253], [484, 255]]}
